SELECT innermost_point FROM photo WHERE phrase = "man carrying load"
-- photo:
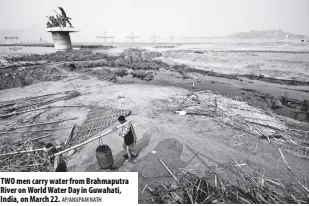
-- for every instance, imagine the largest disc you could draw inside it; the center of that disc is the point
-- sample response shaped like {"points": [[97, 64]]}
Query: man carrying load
{"points": [[59, 164], [129, 137]]}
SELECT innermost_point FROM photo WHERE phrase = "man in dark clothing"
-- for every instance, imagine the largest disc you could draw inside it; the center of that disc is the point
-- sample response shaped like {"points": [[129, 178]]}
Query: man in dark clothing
{"points": [[57, 161], [129, 138]]}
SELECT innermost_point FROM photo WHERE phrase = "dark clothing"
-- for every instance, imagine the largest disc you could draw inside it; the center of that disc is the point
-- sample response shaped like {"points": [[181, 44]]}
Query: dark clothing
{"points": [[59, 164], [129, 138], [62, 167]]}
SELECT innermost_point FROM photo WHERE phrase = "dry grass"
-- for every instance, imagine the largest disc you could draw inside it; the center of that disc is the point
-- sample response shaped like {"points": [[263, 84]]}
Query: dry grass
{"points": [[191, 189]]}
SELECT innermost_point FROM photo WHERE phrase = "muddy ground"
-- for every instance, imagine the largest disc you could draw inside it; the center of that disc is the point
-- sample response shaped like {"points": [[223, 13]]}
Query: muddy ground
{"points": [[286, 96], [140, 81]]}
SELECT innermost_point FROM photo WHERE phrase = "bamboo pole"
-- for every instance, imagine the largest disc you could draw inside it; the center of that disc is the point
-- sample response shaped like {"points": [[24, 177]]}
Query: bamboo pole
{"points": [[42, 137], [15, 113], [35, 130], [21, 152], [32, 125], [70, 135], [14, 101], [284, 160], [25, 151], [70, 106], [90, 140], [49, 135], [169, 171], [262, 133], [40, 108]]}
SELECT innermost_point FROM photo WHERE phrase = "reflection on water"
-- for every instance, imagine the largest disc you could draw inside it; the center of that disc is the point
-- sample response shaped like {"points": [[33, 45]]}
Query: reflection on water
{"points": [[211, 44], [27, 50]]}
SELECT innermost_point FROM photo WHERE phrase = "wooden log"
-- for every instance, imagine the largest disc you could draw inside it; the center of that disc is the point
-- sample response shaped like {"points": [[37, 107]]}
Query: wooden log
{"points": [[39, 124], [90, 140], [284, 160], [169, 171]]}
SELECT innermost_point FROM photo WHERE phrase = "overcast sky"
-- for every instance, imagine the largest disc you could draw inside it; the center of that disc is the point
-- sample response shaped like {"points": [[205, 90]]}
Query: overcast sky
{"points": [[164, 17]]}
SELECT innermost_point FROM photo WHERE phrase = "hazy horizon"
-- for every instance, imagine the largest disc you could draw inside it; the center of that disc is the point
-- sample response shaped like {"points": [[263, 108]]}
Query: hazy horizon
{"points": [[179, 18]]}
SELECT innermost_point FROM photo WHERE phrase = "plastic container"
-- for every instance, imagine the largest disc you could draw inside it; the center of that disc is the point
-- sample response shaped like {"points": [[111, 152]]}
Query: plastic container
{"points": [[104, 157]]}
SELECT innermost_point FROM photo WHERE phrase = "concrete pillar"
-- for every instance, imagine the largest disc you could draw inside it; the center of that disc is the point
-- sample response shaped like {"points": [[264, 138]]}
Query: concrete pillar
{"points": [[62, 40], [61, 37]]}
